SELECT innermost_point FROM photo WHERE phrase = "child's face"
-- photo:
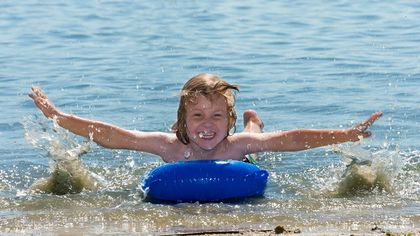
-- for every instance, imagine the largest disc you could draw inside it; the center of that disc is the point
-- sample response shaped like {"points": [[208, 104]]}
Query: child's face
{"points": [[207, 121]]}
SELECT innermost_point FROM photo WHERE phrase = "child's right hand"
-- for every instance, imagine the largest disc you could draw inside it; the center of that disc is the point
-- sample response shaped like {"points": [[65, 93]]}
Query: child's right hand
{"points": [[43, 103]]}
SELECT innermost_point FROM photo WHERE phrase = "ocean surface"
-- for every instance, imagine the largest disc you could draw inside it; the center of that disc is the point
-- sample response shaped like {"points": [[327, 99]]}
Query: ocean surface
{"points": [[299, 64]]}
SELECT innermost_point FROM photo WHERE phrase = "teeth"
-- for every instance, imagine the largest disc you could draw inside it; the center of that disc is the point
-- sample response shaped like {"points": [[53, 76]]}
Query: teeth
{"points": [[203, 134]]}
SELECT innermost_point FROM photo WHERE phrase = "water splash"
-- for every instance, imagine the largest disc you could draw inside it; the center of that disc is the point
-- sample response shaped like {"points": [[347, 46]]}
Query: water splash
{"points": [[367, 171], [67, 171]]}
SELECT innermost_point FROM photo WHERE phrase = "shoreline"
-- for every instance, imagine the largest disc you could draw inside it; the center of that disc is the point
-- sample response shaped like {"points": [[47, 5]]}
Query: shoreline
{"points": [[278, 230], [391, 230]]}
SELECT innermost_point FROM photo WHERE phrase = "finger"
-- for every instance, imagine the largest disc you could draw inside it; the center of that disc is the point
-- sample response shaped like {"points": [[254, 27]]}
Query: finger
{"points": [[34, 88], [365, 125], [38, 91], [367, 134], [361, 127], [375, 116], [31, 95], [34, 96]]}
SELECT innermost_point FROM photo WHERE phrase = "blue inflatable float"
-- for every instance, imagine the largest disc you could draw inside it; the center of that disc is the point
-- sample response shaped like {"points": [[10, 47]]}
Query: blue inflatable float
{"points": [[204, 181]]}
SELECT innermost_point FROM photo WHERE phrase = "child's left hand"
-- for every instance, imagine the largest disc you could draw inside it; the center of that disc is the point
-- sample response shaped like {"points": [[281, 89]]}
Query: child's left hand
{"points": [[355, 133]]}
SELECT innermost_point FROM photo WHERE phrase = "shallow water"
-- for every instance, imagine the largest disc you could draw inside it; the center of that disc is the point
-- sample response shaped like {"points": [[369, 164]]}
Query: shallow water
{"points": [[300, 64]]}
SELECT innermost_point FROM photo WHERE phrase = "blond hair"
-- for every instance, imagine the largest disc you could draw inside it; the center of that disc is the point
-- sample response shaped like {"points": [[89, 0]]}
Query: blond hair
{"points": [[207, 85]]}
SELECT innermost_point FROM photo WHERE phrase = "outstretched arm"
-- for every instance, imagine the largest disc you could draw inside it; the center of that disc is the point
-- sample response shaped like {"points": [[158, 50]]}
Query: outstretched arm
{"points": [[301, 139], [104, 134], [100, 132]]}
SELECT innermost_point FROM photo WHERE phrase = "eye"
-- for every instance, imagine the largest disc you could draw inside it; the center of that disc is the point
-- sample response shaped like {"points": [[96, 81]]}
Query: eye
{"points": [[218, 115]]}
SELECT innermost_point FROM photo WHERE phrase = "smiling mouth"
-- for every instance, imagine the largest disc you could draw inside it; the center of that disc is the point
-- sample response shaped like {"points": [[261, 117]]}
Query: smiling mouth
{"points": [[206, 134]]}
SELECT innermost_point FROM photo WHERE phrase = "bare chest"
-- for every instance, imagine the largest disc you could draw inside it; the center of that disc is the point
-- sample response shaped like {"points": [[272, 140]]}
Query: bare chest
{"points": [[189, 152]]}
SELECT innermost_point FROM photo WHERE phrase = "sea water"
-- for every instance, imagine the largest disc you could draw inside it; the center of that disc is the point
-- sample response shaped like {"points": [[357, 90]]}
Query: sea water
{"points": [[313, 64]]}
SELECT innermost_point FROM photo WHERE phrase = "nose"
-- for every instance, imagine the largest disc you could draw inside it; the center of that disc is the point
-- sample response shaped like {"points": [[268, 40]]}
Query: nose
{"points": [[207, 122]]}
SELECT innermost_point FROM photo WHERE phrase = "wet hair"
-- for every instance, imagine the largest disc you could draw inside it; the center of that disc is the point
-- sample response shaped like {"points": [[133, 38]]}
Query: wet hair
{"points": [[207, 85]]}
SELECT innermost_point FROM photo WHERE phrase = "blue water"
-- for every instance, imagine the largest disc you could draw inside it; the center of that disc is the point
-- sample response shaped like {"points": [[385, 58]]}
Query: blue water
{"points": [[310, 64]]}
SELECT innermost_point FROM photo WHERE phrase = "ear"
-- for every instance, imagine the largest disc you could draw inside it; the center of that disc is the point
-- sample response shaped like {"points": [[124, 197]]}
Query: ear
{"points": [[231, 125], [232, 131], [174, 127]]}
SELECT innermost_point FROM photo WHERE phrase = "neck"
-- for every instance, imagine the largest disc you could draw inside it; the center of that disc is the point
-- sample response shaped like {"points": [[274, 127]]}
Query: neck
{"points": [[194, 152]]}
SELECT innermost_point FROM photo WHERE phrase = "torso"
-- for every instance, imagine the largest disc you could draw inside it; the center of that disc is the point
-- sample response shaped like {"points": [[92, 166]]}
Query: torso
{"points": [[178, 151]]}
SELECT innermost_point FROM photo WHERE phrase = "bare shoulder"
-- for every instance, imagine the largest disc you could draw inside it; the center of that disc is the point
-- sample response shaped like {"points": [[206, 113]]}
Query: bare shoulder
{"points": [[165, 145], [157, 143], [245, 143]]}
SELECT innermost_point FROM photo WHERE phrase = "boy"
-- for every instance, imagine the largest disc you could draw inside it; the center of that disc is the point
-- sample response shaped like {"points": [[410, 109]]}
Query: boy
{"points": [[206, 116]]}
